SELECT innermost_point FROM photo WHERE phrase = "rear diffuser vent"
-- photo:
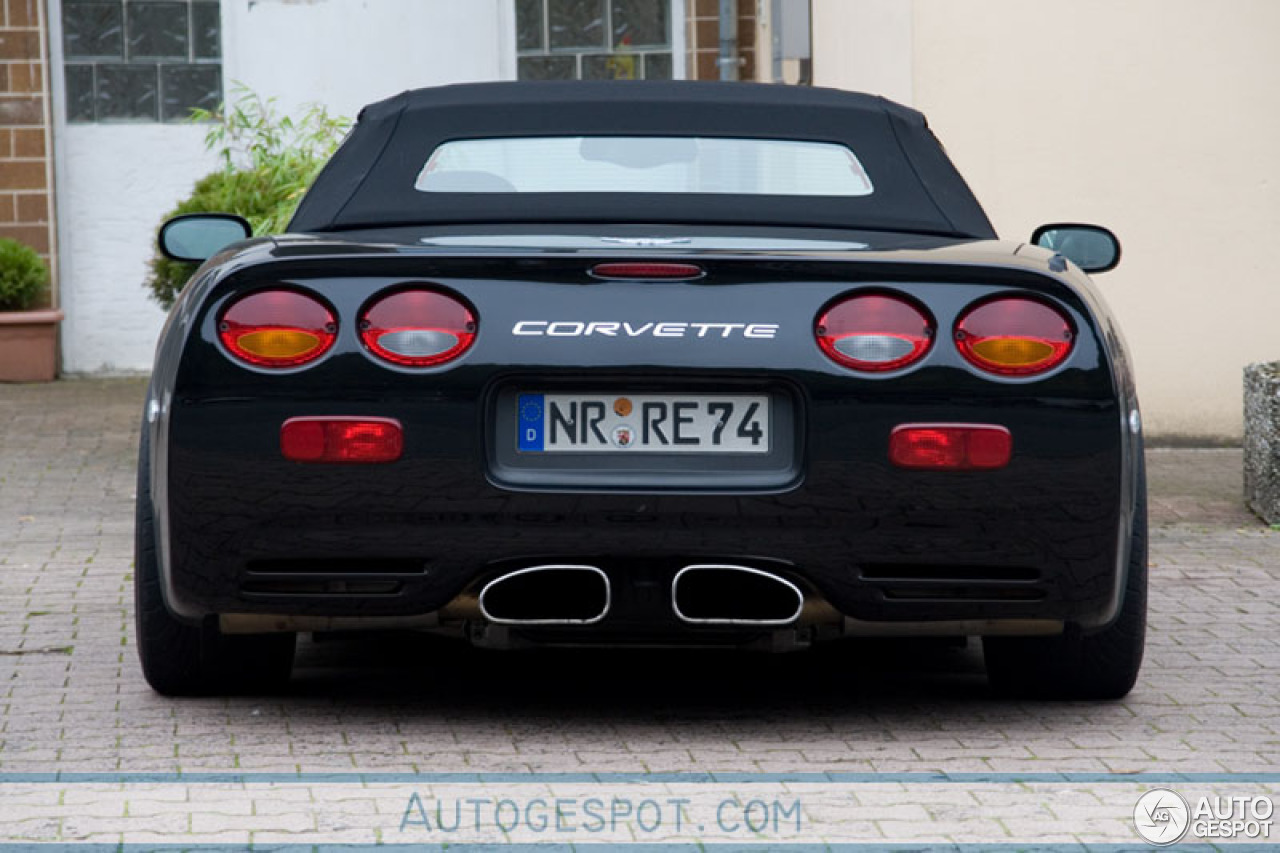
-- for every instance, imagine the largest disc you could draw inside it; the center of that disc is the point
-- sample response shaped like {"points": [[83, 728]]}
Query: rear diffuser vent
{"points": [[914, 571], [922, 582], [353, 568], [320, 587], [963, 593]]}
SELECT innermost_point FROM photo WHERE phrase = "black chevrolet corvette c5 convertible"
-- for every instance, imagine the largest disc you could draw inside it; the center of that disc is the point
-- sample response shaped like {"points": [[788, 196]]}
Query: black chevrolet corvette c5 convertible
{"points": [[661, 364]]}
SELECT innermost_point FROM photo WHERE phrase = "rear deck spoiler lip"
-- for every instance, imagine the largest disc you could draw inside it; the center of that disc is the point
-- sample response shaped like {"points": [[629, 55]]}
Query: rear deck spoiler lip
{"points": [[990, 261]]}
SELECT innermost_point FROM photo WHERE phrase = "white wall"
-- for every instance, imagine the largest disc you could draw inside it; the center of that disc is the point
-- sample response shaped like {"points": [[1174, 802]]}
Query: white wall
{"points": [[115, 181], [114, 184], [865, 46], [348, 53], [1158, 118]]}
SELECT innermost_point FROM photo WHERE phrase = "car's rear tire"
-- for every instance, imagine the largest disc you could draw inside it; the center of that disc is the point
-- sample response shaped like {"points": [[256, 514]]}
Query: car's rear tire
{"points": [[1076, 665], [183, 659]]}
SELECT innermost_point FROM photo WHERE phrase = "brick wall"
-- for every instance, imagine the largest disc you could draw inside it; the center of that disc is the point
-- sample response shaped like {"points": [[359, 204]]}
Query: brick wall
{"points": [[704, 39], [26, 172]]}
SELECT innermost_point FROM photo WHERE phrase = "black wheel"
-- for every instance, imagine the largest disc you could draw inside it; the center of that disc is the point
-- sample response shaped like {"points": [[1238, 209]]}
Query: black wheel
{"points": [[183, 659], [1075, 665]]}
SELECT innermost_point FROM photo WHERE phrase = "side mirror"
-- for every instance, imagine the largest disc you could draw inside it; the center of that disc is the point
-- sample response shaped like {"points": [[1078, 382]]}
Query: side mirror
{"points": [[1090, 247], [197, 237]]}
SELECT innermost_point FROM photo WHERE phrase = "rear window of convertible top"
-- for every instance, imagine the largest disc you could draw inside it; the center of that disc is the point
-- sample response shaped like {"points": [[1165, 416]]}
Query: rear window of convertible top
{"points": [[644, 164]]}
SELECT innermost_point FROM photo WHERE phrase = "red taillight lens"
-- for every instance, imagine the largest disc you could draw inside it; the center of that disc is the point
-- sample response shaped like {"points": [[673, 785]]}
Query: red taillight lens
{"points": [[1014, 337], [874, 332], [418, 328], [277, 328], [649, 270], [341, 439], [953, 447]]}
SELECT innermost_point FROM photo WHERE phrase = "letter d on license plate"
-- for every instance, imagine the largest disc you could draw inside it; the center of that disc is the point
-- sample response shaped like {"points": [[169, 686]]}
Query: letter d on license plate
{"points": [[643, 423]]}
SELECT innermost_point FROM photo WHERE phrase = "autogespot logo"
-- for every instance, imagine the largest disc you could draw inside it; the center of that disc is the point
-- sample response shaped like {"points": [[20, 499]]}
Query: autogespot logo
{"points": [[1162, 816]]}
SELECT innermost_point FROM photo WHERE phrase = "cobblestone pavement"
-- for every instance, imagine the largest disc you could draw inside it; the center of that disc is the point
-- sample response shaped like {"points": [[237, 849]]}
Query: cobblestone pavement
{"points": [[72, 697]]}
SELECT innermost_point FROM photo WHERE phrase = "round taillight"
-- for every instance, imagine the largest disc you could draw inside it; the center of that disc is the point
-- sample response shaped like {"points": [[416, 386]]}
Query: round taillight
{"points": [[418, 328], [1014, 337], [277, 328], [874, 332]]}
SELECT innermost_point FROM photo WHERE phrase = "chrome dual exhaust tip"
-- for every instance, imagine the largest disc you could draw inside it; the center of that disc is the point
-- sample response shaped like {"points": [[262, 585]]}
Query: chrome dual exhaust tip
{"points": [[715, 594], [547, 595], [703, 594]]}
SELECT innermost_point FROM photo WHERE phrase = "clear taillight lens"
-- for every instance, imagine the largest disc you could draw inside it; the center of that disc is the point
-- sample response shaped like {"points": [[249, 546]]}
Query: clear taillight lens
{"points": [[1014, 337], [874, 332], [418, 328], [277, 328]]}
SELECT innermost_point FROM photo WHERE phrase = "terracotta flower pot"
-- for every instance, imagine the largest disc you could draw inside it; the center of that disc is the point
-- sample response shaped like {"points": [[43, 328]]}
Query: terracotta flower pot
{"points": [[29, 345]]}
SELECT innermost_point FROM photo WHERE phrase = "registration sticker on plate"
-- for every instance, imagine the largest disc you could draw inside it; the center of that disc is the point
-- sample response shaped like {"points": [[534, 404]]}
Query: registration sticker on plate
{"points": [[643, 423]]}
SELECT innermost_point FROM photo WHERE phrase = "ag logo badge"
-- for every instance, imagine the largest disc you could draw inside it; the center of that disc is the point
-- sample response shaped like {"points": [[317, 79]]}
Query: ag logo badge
{"points": [[1161, 816]]}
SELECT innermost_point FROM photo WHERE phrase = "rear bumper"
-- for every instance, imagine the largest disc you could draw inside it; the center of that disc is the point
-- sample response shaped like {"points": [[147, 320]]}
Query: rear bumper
{"points": [[249, 532]]}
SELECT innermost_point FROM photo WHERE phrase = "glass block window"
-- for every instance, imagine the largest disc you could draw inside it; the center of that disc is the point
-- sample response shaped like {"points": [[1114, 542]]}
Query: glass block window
{"points": [[593, 39], [141, 60]]}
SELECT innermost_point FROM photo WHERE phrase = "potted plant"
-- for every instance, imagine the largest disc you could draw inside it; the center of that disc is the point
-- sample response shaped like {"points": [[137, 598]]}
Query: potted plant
{"points": [[28, 338], [268, 161]]}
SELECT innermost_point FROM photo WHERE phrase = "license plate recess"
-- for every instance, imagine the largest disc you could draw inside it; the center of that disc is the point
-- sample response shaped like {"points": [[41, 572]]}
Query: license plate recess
{"points": [[625, 436]]}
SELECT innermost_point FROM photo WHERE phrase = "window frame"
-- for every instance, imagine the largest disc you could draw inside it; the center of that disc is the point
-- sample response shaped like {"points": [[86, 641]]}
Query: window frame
{"points": [[675, 47], [763, 161], [81, 107]]}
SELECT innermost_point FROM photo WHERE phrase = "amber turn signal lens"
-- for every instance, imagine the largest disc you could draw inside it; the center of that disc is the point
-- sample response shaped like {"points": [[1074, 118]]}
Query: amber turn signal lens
{"points": [[277, 328], [1014, 337], [276, 344], [1014, 352]]}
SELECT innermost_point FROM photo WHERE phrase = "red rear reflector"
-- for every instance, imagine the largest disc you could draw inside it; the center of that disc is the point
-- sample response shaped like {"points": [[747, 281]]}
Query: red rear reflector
{"points": [[953, 447], [645, 271], [341, 440], [1014, 337], [277, 328], [874, 332], [418, 328]]}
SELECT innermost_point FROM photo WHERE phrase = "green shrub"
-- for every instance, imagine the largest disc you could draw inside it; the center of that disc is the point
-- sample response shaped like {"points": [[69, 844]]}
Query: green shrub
{"points": [[23, 275], [268, 162]]}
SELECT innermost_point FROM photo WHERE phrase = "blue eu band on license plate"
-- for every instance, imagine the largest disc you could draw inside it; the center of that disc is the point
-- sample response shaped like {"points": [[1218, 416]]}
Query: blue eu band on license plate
{"points": [[643, 423]]}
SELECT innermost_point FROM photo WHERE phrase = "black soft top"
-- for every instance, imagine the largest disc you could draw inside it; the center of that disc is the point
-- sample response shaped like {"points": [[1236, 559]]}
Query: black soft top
{"points": [[370, 180]]}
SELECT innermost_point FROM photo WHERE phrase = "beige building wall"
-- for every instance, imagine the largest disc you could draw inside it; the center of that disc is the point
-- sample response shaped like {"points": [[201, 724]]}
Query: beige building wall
{"points": [[1158, 118]]}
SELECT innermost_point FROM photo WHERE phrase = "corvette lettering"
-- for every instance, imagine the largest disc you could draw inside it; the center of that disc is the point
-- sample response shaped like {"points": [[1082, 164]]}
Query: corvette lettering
{"points": [[575, 329]]}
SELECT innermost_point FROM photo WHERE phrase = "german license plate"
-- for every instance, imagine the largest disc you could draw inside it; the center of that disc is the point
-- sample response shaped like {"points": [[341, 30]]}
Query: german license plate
{"points": [[643, 423]]}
